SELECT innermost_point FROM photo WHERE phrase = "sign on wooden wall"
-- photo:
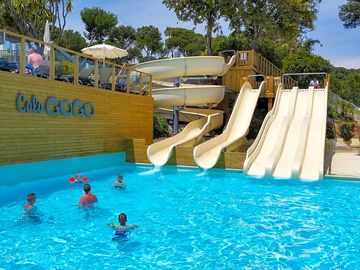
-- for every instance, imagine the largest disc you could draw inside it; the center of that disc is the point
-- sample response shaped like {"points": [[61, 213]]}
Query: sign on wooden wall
{"points": [[54, 106]]}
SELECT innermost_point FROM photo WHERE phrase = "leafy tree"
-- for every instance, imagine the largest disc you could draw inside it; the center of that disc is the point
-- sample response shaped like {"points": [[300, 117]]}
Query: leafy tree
{"points": [[186, 41], [124, 37], [304, 62], [274, 19], [346, 84], [161, 127], [73, 40], [199, 11], [98, 23], [148, 39], [29, 16], [349, 13]]}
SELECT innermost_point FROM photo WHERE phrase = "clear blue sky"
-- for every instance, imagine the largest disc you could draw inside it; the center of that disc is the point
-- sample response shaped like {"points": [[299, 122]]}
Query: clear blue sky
{"points": [[341, 46]]}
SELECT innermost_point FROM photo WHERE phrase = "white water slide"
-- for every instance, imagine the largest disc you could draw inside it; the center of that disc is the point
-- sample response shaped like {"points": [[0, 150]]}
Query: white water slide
{"points": [[207, 154], [186, 95], [291, 140]]}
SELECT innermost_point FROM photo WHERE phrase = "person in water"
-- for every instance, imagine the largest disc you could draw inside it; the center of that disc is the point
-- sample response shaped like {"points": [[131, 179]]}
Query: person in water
{"points": [[31, 199], [119, 183], [30, 208], [88, 197], [78, 178], [121, 229]]}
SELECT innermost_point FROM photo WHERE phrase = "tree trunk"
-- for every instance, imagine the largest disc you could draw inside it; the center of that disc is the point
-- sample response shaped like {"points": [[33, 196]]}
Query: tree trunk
{"points": [[209, 29]]}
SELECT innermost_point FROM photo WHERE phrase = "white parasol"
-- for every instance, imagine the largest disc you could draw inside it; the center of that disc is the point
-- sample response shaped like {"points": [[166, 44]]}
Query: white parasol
{"points": [[103, 51]]}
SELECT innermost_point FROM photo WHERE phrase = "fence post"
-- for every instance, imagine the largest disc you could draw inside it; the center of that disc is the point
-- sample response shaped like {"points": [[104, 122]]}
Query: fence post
{"points": [[128, 82], [140, 84], [52, 63], [22, 56], [113, 78], [150, 85], [96, 74], [76, 69]]}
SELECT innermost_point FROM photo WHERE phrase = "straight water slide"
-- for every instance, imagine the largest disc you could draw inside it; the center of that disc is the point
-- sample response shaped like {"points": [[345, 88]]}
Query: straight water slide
{"points": [[291, 140], [207, 153], [186, 95]]}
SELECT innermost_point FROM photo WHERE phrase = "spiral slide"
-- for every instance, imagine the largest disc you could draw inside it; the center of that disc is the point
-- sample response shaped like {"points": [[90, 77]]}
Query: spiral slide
{"points": [[207, 153], [186, 95], [291, 140]]}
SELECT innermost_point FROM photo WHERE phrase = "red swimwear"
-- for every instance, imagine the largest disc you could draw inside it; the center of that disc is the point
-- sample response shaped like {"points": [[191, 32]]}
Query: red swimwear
{"points": [[88, 198]]}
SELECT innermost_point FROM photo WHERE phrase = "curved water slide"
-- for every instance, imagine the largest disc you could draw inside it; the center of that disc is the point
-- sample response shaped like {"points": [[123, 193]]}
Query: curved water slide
{"points": [[265, 151], [207, 153], [186, 95], [159, 152]]}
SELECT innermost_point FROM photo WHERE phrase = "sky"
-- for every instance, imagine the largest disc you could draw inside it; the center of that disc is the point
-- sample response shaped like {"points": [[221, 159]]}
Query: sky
{"points": [[339, 45]]}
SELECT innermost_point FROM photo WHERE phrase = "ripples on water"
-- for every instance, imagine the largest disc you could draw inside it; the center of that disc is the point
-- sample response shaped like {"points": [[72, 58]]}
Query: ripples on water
{"points": [[187, 219]]}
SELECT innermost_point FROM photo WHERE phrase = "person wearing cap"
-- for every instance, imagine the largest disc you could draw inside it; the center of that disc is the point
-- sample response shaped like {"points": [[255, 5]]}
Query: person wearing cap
{"points": [[88, 197]]}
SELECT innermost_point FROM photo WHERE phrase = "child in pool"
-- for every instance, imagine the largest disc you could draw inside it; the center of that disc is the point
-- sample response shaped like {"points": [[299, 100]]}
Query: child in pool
{"points": [[119, 183], [30, 208], [121, 229]]}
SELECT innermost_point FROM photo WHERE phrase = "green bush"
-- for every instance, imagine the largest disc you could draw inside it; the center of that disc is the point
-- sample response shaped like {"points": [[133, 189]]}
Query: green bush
{"points": [[64, 68], [346, 130], [161, 128], [330, 131], [333, 114]]}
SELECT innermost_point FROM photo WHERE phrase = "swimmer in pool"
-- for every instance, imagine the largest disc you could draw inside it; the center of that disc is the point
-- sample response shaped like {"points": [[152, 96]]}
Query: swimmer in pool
{"points": [[30, 208], [119, 183], [31, 199], [121, 230], [78, 178], [88, 198]]}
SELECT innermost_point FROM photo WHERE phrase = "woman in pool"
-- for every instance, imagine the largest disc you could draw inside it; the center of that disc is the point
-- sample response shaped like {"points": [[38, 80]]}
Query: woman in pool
{"points": [[121, 230], [119, 183]]}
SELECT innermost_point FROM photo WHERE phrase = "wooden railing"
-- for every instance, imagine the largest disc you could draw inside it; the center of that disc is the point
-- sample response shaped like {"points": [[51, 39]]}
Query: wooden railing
{"points": [[261, 65], [70, 66]]}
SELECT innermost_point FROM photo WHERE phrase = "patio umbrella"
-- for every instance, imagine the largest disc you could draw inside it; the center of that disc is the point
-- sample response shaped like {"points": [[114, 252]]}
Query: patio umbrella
{"points": [[46, 38], [103, 51]]}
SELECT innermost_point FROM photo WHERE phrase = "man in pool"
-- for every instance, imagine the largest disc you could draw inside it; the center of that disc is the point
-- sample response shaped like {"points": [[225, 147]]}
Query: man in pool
{"points": [[88, 198], [120, 182], [121, 230]]}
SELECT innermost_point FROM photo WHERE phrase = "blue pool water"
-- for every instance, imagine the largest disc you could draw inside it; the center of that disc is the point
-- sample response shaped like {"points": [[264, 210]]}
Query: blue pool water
{"points": [[187, 220]]}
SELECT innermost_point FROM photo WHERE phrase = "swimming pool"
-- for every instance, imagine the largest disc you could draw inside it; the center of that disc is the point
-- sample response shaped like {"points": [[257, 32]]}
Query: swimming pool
{"points": [[187, 220]]}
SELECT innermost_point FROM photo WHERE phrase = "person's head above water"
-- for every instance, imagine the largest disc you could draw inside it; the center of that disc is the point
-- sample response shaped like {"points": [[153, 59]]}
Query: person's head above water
{"points": [[122, 219], [87, 188], [119, 178], [31, 198], [78, 176]]}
